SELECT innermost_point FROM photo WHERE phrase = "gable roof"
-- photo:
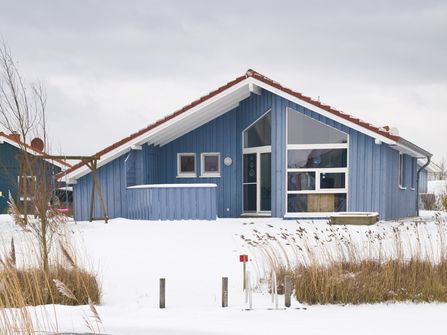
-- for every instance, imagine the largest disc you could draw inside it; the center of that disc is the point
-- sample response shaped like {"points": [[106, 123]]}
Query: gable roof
{"points": [[12, 140], [220, 101]]}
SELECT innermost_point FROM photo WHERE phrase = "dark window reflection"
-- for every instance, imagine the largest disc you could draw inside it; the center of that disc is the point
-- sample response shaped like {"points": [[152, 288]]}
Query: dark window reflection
{"points": [[317, 158], [332, 180], [260, 133], [298, 181], [315, 203]]}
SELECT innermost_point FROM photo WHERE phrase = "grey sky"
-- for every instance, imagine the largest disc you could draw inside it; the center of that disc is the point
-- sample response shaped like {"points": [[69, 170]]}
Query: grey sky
{"points": [[112, 67]]}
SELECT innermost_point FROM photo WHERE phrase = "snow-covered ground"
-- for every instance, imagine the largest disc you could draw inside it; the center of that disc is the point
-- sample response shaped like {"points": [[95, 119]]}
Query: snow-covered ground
{"points": [[193, 256]]}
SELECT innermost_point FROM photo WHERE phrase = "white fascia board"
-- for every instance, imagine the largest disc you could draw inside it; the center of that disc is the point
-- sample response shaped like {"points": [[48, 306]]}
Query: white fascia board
{"points": [[323, 112], [146, 137], [32, 152], [202, 118], [406, 150]]}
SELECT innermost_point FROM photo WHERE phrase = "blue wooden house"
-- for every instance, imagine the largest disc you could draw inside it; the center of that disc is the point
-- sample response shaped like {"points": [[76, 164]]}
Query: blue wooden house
{"points": [[254, 148], [11, 147]]}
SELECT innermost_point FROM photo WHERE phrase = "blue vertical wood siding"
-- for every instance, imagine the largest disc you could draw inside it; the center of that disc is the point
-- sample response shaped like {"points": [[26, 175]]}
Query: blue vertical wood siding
{"points": [[172, 203], [373, 180], [423, 181]]}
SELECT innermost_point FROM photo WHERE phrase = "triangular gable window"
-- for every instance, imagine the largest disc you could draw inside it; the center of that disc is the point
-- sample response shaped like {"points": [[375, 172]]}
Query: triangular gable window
{"points": [[305, 130], [259, 134]]}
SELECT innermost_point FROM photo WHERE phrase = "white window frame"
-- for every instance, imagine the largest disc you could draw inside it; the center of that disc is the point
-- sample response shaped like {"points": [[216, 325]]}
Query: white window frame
{"points": [[401, 171], [181, 174], [213, 174], [317, 171], [258, 151]]}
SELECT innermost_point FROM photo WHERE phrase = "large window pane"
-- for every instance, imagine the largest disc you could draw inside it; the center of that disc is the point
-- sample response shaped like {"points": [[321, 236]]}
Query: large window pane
{"points": [[260, 133], [304, 130], [332, 180], [298, 181], [316, 203], [266, 181], [250, 168], [317, 158], [250, 198]]}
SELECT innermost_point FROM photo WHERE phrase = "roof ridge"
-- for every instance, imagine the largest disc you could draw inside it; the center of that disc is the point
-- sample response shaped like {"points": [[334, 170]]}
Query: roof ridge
{"points": [[250, 73]]}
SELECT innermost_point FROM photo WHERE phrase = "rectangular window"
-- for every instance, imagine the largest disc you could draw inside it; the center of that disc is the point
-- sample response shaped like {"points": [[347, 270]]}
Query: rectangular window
{"points": [[332, 180], [316, 203], [186, 165], [317, 158], [401, 170], [210, 164], [298, 181]]}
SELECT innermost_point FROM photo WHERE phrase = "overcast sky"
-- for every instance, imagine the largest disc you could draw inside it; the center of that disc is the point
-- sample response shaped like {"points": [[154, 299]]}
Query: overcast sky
{"points": [[112, 67]]}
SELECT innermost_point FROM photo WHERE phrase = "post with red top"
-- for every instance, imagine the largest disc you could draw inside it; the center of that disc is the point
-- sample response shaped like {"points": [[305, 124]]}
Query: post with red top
{"points": [[244, 259]]}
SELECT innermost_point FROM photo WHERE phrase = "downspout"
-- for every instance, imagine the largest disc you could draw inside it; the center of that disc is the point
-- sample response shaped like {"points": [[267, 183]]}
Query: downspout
{"points": [[417, 183]]}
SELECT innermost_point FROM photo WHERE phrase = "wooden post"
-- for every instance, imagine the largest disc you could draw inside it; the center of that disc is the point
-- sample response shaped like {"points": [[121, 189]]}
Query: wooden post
{"points": [[287, 290], [224, 292], [162, 293]]}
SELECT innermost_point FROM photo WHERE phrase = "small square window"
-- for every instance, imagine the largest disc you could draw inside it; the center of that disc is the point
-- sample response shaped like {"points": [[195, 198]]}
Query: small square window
{"points": [[186, 165], [210, 164]]}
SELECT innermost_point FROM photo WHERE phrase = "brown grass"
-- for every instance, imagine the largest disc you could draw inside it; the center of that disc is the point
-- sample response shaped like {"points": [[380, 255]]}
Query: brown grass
{"points": [[371, 282], [32, 287], [354, 265]]}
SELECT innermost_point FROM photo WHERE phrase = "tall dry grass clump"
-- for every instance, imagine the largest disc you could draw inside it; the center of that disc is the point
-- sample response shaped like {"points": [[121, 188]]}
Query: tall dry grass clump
{"points": [[361, 282], [404, 261], [25, 283]]}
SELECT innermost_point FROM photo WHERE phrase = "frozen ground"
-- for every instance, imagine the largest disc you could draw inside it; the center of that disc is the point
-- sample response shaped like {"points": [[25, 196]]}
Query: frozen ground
{"points": [[131, 256]]}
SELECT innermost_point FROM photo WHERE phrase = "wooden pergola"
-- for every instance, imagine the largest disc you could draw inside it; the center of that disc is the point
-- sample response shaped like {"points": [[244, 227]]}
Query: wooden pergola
{"points": [[91, 163]]}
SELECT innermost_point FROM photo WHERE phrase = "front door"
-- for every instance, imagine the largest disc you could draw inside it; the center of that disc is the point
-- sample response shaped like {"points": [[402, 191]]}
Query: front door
{"points": [[257, 182]]}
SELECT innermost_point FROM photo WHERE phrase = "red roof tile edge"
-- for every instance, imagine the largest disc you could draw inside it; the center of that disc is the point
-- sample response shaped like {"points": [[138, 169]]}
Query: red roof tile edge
{"points": [[12, 138], [249, 73]]}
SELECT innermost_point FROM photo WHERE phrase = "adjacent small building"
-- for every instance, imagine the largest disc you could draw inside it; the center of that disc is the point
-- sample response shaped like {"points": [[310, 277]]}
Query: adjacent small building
{"points": [[254, 148], [11, 178]]}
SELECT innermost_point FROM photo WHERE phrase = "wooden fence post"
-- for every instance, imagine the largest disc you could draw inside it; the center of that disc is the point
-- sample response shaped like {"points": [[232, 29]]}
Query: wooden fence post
{"points": [[287, 290], [224, 291], [162, 293]]}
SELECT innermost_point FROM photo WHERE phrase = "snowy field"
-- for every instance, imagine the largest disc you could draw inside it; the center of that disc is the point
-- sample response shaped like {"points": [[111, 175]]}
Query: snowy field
{"points": [[193, 256]]}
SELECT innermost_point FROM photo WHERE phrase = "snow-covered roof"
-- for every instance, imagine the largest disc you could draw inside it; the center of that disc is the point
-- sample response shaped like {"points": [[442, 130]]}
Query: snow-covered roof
{"points": [[226, 98]]}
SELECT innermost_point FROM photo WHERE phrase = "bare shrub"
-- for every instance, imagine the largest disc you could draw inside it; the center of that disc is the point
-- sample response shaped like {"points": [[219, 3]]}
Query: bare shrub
{"points": [[428, 201]]}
